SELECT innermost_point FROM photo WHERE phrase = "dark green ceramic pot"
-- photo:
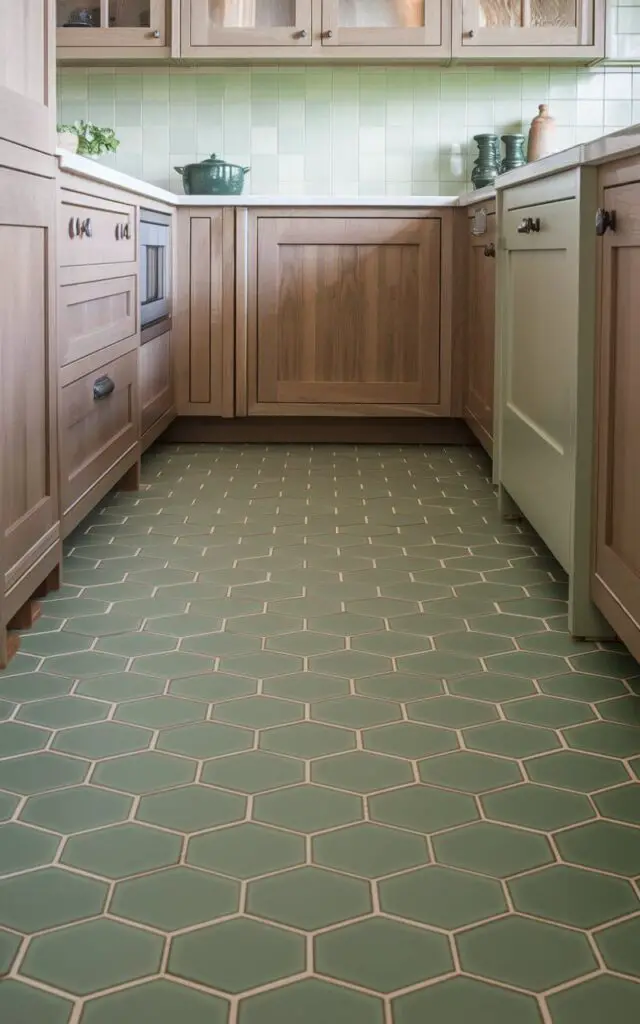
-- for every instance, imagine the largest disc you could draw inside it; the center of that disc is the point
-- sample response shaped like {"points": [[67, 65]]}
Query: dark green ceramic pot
{"points": [[212, 177]]}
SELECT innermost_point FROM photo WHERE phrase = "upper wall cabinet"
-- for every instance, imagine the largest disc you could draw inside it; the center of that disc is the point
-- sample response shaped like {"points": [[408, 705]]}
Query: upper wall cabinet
{"points": [[385, 23], [27, 87], [113, 28], [209, 24], [528, 29]]}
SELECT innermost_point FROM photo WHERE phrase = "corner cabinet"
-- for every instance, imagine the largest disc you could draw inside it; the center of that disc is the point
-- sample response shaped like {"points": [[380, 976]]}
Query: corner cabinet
{"points": [[537, 29], [616, 575], [113, 28], [480, 326], [347, 313]]}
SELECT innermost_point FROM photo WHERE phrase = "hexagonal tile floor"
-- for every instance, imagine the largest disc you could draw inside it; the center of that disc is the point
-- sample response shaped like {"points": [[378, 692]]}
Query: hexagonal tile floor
{"points": [[303, 738]]}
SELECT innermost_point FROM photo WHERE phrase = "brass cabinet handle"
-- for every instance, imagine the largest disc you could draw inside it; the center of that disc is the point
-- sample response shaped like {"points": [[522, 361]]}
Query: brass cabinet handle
{"points": [[605, 221], [490, 250], [529, 224], [102, 387]]}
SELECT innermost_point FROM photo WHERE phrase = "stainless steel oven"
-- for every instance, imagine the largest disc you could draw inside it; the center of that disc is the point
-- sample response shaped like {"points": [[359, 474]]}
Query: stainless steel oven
{"points": [[155, 267]]}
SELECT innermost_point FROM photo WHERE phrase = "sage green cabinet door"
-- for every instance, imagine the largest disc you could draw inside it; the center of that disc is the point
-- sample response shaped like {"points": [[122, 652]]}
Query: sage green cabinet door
{"points": [[479, 355]]}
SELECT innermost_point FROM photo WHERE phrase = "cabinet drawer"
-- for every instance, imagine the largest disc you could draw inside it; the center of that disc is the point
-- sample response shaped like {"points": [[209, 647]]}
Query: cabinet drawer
{"points": [[156, 384], [92, 230], [98, 424], [95, 314]]}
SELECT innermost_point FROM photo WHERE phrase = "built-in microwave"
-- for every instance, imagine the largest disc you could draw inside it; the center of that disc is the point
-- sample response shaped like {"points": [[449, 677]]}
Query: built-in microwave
{"points": [[155, 267]]}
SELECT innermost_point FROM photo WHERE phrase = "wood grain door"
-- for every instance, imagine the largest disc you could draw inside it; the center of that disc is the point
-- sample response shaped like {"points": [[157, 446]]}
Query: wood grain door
{"points": [[387, 23], [481, 296], [346, 315], [28, 373], [616, 586], [245, 23], [528, 28], [203, 336], [27, 74], [116, 24]]}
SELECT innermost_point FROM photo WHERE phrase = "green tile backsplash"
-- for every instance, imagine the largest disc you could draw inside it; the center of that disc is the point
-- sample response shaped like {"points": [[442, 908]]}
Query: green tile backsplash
{"points": [[338, 130]]}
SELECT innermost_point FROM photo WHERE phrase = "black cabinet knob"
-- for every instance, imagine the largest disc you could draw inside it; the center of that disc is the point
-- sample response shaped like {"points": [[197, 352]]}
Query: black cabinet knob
{"points": [[102, 387], [605, 221], [490, 250]]}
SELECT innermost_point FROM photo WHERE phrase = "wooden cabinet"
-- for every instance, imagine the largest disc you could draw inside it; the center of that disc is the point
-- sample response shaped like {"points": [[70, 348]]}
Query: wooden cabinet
{"points": [[537, 29], [423, 25], [95, 230], [616, 577], [155, 375], [113, 28], [204, 312], [480, 322], [209, 24], [348, 313], [27, 74]]}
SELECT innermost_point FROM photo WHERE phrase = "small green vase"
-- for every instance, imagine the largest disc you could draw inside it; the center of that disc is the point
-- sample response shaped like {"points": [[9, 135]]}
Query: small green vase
{"points": [[514, 155], [485, 169]]}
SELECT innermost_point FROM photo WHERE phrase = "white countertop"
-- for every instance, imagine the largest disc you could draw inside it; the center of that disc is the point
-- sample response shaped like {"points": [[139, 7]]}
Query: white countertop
{"points": [[625, 142]]}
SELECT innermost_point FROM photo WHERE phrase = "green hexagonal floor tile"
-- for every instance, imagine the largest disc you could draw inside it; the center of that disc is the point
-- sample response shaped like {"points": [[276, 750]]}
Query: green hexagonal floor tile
{"points": [[104, 739], [569, 895], [75, 809], [184, 625], [346, 624], [134, 645], [121, 850], [18, 739], [526, 954], [382, 955], [609, 738], [356, 712], [591, 1002], [253, 772], [492, 687], [625, 710], [478, 645], [214, 687], [22, 848], [63, 711], [306, 687], [455, 712], [175, 665], [314, 1002], [526, 664], [469, 772], [496, 850], [175, 898], [506, 625], [37, 773], [191, 809], [121, 686], [460, 1000], [8, 804], [45, 645], [305, 643], [430, 625], [548, 711], [309, 898], [619, 946], [307, 808], [104, 625], [160, 712], [350, 664], [237, 955], [81, 666], [85, 958], [511, 739], [442, 897], [258, 712], [606, 663], [361, 772], [538, 807], [410, 740], [569, 769], [603, 845], [49, 898], [422, 808], [246, 851], [161, 1001], [307, 739], [583, 687], [399, 686], [263, 665], [144, 773], [20, 1002], [369, 850], [9, 945], [620, 804], [205, 739], [218, 645], [439, 663]]}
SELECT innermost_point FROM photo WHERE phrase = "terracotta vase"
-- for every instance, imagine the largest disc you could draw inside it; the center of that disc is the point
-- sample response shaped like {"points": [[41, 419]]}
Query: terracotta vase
{"points": [[541, 134]]}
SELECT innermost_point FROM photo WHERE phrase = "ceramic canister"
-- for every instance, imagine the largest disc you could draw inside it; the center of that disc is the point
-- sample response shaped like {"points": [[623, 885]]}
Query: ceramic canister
{"points": [[541, 134]]}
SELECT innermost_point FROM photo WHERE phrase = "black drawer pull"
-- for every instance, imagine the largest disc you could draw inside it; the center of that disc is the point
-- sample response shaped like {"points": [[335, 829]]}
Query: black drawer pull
{"points": [[102, 387], [126, 231], [529, 224]]}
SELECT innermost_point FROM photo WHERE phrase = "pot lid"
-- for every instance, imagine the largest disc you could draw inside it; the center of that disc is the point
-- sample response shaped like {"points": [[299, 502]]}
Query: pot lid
{"points": [[213, 161]]}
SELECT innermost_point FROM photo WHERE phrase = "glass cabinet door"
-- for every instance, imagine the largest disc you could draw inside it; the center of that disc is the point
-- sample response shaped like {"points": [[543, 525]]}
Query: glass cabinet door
{"points": [[381, 22], [527, 23], [247, 22], [111, 23]]}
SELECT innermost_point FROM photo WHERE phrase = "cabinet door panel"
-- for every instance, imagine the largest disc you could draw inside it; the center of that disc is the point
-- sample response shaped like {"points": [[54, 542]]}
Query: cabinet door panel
{"points": [[247, 23], [27, 69], [156, 380], [116, 23], [28, 488], [382, 22], [618, 508], [481, 332], [347, 312], [528, 22]]}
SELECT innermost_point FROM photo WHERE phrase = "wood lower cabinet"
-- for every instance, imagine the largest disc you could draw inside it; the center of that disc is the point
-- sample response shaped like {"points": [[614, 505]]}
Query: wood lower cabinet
{"points": [[348, 313], [155, 375], [29, 515], [204, 313], [480, 322], [616, 576]]}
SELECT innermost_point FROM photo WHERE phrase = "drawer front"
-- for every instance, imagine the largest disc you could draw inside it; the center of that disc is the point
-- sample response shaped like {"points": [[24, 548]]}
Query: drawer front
{"points": [[98, 424], [95, 231], [95, 314], [156, 383]]}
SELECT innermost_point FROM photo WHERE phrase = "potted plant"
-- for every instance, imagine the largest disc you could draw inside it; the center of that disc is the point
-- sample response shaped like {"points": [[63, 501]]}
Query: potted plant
{"points": [[91, 140]]}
